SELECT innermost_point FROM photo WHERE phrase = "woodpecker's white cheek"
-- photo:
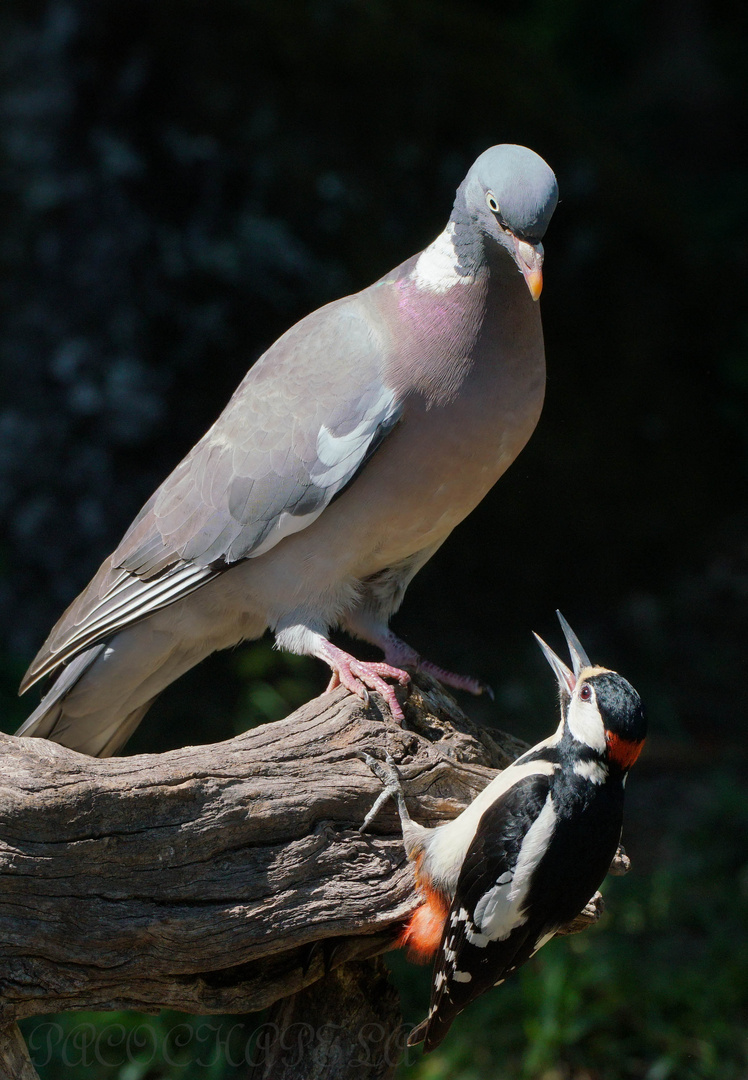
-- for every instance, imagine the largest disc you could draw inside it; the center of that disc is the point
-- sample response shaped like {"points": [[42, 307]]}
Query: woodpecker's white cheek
{"points": [[594, 771], [585, 724]]}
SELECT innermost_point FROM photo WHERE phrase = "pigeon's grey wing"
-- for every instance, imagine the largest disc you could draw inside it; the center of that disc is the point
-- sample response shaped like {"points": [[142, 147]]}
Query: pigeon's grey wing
{"points": [[487, 934], [303, 422]]}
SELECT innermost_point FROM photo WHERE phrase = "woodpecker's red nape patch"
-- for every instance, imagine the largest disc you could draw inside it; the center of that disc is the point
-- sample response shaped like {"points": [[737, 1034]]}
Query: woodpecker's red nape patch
{"points": [[423, 933], [623, 751]]}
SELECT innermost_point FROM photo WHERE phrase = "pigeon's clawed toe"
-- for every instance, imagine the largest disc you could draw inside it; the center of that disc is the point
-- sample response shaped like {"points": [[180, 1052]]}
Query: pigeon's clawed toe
{"points": [[455, 681], [398, 653], [360, 676]]}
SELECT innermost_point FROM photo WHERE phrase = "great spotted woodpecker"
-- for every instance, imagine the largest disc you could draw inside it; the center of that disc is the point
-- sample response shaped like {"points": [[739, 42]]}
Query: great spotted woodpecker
{"points": [[531, 849]]}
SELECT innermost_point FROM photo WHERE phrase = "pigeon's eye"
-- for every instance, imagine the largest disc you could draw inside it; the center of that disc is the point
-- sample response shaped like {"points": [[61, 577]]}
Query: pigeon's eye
{"points": [[585, 693], [493, 206]]}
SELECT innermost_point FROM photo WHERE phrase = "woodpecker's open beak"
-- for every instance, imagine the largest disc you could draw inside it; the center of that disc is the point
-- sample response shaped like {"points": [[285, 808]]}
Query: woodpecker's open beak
{"points": [[567, 679], [529, 259], [579, 657]]}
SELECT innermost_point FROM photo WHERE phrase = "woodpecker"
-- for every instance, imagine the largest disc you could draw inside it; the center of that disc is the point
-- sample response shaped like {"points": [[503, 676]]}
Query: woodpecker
{"points": [[524, 858]]}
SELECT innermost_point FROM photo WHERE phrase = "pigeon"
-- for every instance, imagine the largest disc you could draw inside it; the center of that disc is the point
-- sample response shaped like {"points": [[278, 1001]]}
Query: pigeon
{"points": [[345, 458]]}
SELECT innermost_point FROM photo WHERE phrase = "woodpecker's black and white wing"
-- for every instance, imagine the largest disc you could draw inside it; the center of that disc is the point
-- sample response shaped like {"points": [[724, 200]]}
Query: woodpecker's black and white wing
{"points": [[490, 931]]}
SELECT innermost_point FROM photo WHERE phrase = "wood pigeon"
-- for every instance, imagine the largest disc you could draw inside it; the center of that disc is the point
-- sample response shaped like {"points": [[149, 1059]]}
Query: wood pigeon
{"points": [[344, 459]]}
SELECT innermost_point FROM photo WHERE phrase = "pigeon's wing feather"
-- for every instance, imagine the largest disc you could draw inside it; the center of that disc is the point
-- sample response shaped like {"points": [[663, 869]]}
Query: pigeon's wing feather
{"points": [[487, 934], [298, 429]]}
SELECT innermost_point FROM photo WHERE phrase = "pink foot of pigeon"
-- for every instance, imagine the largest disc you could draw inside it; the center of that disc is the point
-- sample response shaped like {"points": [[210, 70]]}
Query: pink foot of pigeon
{"points": [[451, 678], [398, 652], [360, 676]]}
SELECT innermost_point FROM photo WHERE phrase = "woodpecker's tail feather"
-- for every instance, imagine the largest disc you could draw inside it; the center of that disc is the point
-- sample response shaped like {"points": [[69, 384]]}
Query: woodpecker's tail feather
{"points": [[431, 1031], [418, 1034]]}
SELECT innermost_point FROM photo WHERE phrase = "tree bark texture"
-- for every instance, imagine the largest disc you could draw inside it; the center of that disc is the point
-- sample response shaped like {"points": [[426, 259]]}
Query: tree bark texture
{"points": [[227, 877], [346, 1026], [199, 879], [15, 1063]]}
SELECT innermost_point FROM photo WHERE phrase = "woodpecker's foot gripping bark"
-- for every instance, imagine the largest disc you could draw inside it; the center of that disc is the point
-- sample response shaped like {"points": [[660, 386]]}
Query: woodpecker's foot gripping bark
{"points": [[327, 949], [621, 863], [456, 682], [386, 771], [423, 931]]}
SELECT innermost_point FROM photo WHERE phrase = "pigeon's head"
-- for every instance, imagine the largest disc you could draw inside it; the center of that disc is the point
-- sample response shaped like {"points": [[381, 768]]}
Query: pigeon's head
{"points": [[512, 194]]}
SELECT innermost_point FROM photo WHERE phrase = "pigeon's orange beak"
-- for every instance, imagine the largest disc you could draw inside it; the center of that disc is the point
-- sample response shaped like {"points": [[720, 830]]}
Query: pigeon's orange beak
{"points": [[529, 259]]}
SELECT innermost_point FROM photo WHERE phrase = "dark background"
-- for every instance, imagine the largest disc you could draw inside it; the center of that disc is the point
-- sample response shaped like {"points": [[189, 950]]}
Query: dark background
{"points": [[181, 181]]}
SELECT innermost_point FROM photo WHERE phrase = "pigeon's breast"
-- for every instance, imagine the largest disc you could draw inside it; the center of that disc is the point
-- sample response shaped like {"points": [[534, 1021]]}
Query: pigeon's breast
{"points": [[473, 390]]}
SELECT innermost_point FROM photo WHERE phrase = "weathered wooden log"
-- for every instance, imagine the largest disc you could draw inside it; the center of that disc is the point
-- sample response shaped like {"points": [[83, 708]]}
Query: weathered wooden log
{"points": [[220, 878], [199, 879], [346, 1026], [15, 1063]]}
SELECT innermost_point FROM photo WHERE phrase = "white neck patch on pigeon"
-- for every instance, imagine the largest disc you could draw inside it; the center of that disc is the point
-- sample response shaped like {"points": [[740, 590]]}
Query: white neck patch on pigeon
{"points": [[436, 268]]}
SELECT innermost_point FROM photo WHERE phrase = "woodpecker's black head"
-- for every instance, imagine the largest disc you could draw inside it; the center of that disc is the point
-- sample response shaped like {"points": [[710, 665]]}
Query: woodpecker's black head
{"points": [[600, 709]]}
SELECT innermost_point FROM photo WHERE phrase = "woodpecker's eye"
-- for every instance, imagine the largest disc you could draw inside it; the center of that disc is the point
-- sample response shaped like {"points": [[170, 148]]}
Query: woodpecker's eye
{"points": [[491, 202], [585, 693]]}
